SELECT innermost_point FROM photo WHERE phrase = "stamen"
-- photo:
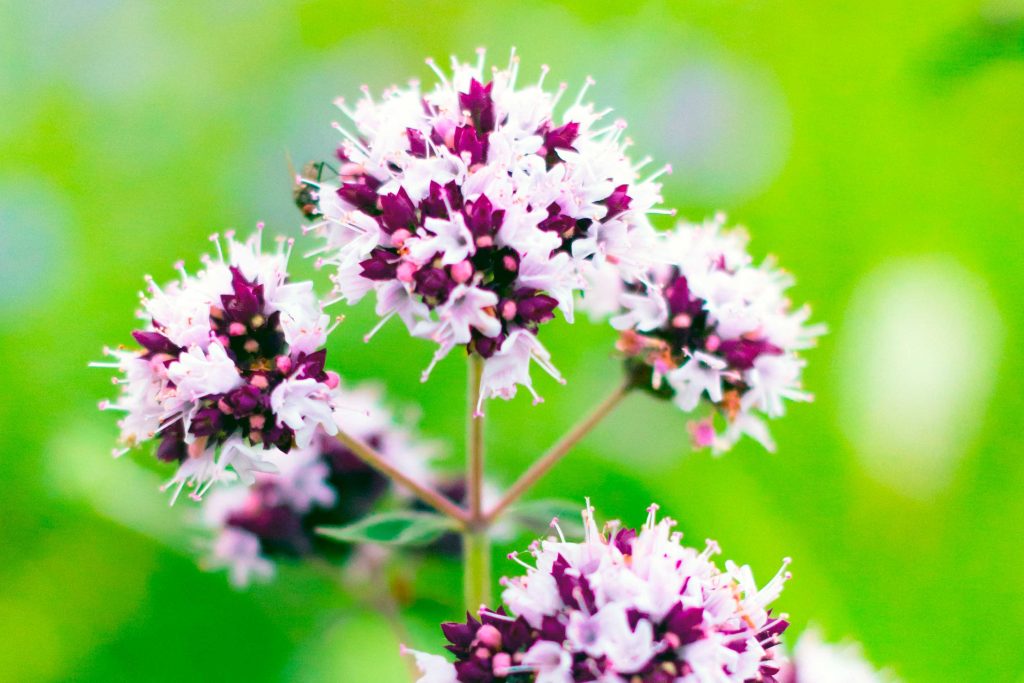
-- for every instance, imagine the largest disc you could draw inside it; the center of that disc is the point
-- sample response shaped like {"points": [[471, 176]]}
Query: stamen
{"points": [[352, 139], [544, 70], [437, 70], [558, 529], [215, 238], [583, 91], [376, 328]]}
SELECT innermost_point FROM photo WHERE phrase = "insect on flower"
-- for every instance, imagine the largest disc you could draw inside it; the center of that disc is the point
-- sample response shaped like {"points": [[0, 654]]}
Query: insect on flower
{"points": [[473, 211]]}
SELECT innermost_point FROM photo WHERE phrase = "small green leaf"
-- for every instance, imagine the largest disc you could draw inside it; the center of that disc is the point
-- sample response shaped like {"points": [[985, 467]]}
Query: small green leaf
{"points": [[392, 528], [536, 515]]}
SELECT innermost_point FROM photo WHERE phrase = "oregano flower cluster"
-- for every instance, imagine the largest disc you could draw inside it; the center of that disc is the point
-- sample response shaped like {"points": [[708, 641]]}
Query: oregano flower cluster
{"points": [[705, 326], [622, 605], [231, 367], [476, 211], [473, 211]]}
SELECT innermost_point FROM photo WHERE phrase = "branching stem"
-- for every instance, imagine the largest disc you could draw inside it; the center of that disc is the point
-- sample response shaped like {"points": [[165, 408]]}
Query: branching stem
{"points": [[554, 454]]}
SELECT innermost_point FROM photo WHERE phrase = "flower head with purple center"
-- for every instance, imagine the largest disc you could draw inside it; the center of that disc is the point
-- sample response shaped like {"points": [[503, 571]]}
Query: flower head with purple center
{"points": [[622, 606], [707, 327], [230, 369], [473, 211], [321, 484]]}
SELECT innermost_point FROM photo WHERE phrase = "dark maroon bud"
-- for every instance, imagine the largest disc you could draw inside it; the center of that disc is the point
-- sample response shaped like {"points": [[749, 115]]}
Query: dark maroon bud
{"points": [[154, 342], [397, 212], [207, 421], [515, 636], [244, 400], [341, 155], [311, 366], [561, 137], [535, 308], [479, 104], [468, 142], [617, 202], [247, 300], [624, 541], [460, 635], [417, 145], [552, 629], [487, 346], [279, 436], [474, 669], [559, 224], [172, 446], [433, 283], [773, 628], [481, 218], [440, 198], [741, 353], [382, 265], [680, 302], [685, 622], [360, 195]]}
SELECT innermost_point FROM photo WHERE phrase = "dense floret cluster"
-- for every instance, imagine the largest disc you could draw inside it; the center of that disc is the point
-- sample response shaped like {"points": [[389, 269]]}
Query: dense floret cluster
{"points": [[231, 367], [620, 606], [474, 211], [705, 326]]}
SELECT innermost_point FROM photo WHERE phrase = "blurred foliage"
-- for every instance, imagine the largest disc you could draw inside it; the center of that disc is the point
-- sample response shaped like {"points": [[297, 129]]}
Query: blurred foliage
{"points": [[847, 135]]}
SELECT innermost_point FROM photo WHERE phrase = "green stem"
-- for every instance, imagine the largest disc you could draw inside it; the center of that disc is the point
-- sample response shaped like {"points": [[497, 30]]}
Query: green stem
{"points": [[476, 552], [475, 443], [476, 546]]}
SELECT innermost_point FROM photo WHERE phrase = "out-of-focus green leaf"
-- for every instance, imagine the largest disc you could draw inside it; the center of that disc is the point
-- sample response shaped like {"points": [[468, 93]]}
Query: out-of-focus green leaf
{"points": [[391, 528]]}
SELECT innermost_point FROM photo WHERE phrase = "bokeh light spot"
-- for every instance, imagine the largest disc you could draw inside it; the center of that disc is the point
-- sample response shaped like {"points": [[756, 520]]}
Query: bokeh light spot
{"points": [[918, 355]]}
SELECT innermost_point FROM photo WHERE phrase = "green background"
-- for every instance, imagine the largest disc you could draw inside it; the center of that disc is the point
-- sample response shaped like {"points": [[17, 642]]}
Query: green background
{"points": [[875, 147]]}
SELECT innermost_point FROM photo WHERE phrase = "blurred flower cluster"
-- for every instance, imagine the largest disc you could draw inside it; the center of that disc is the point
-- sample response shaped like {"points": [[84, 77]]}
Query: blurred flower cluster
{"points": [[324, 483]]}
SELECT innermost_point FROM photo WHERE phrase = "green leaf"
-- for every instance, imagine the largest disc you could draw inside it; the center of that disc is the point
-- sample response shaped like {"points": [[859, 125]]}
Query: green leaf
{"points": [[392, 528], [536, 515]]}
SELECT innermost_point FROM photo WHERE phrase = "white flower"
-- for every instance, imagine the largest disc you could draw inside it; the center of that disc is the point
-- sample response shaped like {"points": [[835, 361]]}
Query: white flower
{"points": [[645, 312], [772, 379], [304, 405], [551, 662], [449, 238], [702, 373], [467, 307], [196, 374], [510, 367], [434, 668]]}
